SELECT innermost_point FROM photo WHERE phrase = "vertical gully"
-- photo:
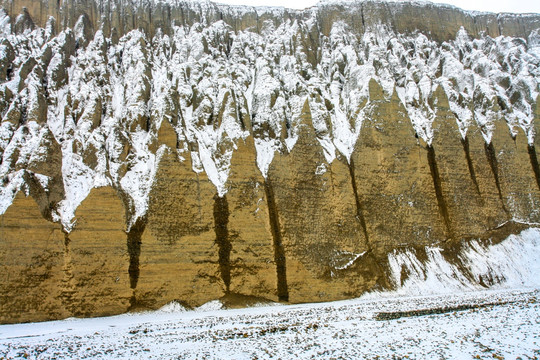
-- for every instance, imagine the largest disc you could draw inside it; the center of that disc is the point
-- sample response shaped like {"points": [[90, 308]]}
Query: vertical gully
{"points": [[441, 202], [359, 208], [221, 221], [534, 163], [279, 251], [134, 242], [492, 160], [472, 173]]}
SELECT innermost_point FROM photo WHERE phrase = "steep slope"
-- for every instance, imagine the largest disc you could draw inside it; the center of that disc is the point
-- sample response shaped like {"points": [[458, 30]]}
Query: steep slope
{"points": [[195, 151]]}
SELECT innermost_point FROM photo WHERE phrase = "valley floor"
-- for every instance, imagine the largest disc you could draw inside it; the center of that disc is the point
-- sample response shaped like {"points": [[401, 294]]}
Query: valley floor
{"points": [[482, 324]]}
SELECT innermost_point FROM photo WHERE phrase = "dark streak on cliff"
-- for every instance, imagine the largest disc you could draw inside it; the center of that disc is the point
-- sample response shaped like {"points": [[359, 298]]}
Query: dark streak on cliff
{"points": [[359, 207], [465, 143], [534, 164], [134, 250], [221, 221], [279, 251], [441, 202], [492, 160], [68, 285]]}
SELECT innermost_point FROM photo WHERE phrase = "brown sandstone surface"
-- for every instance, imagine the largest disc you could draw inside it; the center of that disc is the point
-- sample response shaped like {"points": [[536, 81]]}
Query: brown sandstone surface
{"points": [[486, 175], [395, 182], [252, 264], [517, 180], [309, 231], [96, 279], [320, 234], [468, 215], [179, 256], [31, 264]]}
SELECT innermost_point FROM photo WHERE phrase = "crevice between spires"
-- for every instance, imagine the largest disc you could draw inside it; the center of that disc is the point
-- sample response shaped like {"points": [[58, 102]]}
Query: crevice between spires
{"points": [[492, 160], [534, 163], [68, 286], [221, 222], [134, 241], [472, 173], [279, 251], [441, 202], [359, 207]]}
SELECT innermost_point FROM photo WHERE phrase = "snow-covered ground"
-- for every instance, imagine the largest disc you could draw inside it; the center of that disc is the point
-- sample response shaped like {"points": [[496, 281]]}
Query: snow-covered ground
{"points": [[481, 324]]}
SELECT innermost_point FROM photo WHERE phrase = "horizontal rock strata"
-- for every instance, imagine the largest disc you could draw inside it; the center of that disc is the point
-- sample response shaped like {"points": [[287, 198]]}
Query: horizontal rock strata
{"points": [[185, 151]]}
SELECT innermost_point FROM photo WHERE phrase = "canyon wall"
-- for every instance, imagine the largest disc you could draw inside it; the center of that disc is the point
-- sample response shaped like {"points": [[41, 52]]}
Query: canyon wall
{"points": [[441, 21], [184, 151]]}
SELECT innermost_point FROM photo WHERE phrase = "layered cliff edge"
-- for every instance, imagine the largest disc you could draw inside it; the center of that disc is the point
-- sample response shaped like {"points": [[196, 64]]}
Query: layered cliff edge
{"points": [[189, 151]]}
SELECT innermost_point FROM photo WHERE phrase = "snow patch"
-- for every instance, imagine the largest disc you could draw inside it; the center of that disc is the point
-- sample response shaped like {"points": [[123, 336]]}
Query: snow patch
{"points": [[509, 264], [213, 305], [172, 307]]}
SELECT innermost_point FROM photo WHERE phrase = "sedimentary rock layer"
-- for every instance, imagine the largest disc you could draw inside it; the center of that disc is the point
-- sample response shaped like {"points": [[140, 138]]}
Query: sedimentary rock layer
{"points": [[441, 21], [188, 151]]}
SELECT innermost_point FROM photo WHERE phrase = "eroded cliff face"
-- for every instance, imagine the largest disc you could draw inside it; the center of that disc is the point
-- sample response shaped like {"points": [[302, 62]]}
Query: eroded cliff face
{"points": [[188, 151], [441, 21]]}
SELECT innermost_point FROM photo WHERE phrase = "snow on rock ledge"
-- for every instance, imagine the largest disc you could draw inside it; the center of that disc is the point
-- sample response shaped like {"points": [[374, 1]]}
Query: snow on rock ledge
{"points": [[107, 96]]}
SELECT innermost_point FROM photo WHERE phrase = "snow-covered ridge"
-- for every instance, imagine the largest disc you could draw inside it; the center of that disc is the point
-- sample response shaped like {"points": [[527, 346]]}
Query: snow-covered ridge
{"points": [[205, 5], [164, 13], [419, 3], [106, 98]]}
